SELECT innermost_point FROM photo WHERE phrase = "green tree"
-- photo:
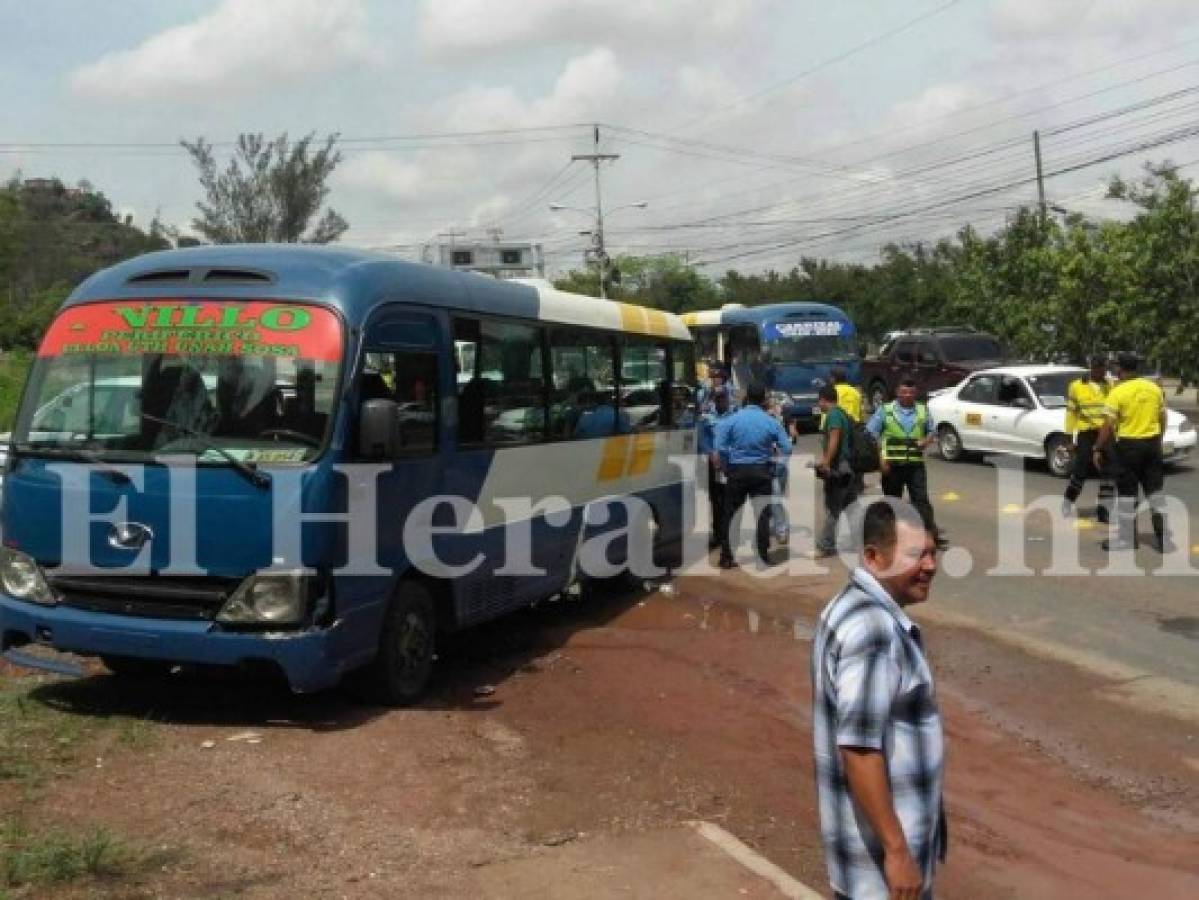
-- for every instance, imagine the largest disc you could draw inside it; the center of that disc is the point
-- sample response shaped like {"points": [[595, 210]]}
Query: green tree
{"points": [[1162, 251], [665, 282], [269, 192], [662, 282]]}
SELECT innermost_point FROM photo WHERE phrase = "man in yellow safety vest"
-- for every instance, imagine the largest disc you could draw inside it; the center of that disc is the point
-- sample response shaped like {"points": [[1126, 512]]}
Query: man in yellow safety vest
{"points": [[1086, 400]]}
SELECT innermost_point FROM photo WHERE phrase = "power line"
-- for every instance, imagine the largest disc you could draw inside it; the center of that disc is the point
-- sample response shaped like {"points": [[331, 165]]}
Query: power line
{"points": [[1178, 135], [823, 64], [938, 164]]}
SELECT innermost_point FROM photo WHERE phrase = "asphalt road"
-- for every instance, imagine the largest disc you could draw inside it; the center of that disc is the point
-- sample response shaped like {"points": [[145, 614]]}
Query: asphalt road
{"points": [[1139, 628]]}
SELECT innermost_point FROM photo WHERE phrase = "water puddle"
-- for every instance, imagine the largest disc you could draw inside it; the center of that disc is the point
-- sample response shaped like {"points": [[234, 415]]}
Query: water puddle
{"points": [[1186, 626], [659, 610]]}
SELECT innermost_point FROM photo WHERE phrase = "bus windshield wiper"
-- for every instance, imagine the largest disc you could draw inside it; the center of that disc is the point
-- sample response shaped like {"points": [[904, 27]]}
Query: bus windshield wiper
{"points": [[249, 470], [78, 454]]}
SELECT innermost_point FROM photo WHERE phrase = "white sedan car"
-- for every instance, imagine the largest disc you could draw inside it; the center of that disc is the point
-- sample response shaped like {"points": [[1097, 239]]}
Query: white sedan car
{"points": [[1021, 410]]}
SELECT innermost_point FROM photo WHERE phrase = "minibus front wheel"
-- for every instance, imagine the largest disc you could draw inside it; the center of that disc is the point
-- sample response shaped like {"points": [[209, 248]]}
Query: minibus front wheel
{"points": [[401, 669]]}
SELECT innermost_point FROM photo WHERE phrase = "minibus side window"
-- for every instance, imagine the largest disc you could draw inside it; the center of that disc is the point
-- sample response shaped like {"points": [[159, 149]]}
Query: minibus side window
{"points": [[409, 379], [501, 399], [683, 385], [644, 389], [583, 385]]}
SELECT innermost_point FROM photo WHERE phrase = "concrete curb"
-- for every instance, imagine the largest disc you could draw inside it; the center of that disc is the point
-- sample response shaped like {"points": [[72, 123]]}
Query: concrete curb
{"points": [[755, 862]]}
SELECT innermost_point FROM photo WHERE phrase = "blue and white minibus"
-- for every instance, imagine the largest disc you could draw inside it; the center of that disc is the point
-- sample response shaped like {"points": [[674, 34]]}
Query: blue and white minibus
{"points": [[789, 347], [313, 460]]}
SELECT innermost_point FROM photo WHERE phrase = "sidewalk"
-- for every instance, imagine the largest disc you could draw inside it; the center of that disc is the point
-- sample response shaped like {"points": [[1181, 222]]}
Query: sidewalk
{"points": [[695, 861]]}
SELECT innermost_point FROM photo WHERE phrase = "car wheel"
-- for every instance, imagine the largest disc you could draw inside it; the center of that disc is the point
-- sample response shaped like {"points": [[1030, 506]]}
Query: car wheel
{"points": [[878, 394], [949, 442], [401, 669], [1059, 455]]}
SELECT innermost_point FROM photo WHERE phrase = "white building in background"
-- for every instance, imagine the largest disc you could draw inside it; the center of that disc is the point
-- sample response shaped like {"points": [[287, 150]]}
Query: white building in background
{"points": [[503, 259]]}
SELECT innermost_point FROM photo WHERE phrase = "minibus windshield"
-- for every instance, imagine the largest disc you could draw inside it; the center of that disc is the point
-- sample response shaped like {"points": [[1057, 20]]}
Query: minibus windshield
{"points": [[252, 381], [812, 348]]}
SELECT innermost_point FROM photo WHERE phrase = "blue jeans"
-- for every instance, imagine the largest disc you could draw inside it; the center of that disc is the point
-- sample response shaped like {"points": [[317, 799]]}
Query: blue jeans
{"points": [[779, 522]]}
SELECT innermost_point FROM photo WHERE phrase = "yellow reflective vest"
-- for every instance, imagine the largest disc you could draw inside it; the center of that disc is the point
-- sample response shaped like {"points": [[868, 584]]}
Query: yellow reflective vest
{"points": [[1086, 401]]}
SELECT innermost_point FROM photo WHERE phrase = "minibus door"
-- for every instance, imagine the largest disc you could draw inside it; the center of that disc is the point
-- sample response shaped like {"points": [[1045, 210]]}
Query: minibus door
{"points": [[405, 361]]}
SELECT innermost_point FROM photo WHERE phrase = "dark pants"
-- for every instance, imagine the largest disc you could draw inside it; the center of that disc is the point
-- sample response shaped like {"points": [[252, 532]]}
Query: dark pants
{"points": [[746, 482], [1139, 467], [716, 497], [839, 492], [1084, 467], [914, 477]]}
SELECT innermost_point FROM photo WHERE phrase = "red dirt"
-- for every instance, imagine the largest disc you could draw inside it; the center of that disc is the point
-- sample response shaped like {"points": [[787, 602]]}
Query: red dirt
{"points": [[619, 716]]}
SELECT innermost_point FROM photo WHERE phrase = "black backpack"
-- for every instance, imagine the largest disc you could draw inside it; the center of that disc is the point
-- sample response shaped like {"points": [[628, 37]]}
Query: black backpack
{"points": [[863, 449]]}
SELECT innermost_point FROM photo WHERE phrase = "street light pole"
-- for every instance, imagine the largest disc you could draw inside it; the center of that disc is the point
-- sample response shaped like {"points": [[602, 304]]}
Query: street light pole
{"points": [[596, 234]]}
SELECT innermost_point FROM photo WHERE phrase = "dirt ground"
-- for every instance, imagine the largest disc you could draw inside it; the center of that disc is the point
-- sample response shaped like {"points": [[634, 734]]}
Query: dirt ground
{"points": [[618, 715]]}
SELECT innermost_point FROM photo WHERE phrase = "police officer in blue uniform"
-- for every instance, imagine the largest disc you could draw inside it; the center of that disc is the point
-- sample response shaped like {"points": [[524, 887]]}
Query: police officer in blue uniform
{"points": [[747, 443], [719, 406]]}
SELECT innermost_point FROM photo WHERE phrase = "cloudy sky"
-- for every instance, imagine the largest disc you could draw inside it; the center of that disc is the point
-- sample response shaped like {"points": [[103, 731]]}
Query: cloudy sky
{"points": [[756, 131]]}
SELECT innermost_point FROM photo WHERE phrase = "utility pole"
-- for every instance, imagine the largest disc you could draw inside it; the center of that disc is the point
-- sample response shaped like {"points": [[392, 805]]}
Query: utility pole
{"points": [[1036, 145], [595, 158]]}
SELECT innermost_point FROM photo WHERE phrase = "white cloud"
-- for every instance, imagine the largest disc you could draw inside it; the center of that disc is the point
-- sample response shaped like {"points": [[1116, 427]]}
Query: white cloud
{"points": [[382, 174], [706, 88], [245, 45], [450, 28], [934, 104], [588, 88], [1075, 19], [474, 186]]}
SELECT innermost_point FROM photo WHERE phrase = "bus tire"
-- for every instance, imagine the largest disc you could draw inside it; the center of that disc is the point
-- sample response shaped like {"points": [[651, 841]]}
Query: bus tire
{"points": [[403, 665]]}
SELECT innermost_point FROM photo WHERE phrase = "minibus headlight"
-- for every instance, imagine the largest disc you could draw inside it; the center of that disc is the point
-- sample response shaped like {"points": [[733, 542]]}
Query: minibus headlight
{"points": [[274, 599], [22, 578]]}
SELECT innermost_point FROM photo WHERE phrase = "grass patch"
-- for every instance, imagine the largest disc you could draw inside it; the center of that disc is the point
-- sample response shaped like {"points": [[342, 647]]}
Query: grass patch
{"points": [[37, 740], [30, 858], [38, 743]]}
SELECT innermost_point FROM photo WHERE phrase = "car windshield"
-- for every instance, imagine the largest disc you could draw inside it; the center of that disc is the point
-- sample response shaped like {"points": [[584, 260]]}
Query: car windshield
{"points": [[133, 381], [1051, 387], [961, 349]]}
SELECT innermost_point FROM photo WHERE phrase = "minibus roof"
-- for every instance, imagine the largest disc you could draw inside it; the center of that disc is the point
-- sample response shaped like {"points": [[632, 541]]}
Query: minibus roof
{"points": [[354, 282], [768, 312]]}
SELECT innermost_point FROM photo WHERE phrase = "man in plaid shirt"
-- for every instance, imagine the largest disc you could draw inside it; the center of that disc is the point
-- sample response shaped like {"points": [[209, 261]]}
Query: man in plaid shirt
{"points": [[875, 723]]}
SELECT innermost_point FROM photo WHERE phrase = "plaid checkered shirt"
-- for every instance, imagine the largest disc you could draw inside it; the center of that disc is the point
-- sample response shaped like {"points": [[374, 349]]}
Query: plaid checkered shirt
{"points": [[872, 687]]}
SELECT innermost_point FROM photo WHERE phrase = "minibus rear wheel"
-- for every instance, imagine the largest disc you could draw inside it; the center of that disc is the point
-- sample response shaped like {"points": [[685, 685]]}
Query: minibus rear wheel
{"points": [[401, 669]]}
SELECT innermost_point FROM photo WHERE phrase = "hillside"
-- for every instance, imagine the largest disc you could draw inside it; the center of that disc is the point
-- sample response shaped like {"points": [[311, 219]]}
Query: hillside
{"points": [[51, 238]]}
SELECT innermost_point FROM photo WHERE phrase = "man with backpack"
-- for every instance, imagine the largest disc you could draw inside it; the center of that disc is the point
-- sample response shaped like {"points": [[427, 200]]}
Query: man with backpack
{"points": [[835, 468], [849, 398], [904, 430]]}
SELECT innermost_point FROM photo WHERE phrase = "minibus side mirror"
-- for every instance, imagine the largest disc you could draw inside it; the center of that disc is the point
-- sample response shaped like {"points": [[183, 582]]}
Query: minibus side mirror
{"points": [[379, 429]]}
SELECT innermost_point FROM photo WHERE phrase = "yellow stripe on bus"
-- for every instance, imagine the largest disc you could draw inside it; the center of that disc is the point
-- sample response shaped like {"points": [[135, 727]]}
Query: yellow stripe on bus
{"points": [[643, 453], [632, 318], [616, 453], [658, 325]]}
